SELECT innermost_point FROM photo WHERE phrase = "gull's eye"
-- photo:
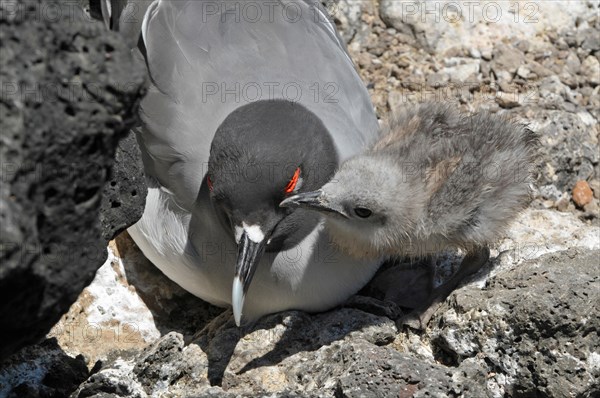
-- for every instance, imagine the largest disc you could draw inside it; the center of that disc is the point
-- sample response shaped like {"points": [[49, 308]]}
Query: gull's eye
{"points": [[362, 212], [209, 183], [289, 188]]}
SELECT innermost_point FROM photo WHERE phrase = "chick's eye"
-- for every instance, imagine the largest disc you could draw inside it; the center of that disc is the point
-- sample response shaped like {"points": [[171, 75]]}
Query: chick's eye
{"points": [[362, 212], [209, 183], [289, 188]]}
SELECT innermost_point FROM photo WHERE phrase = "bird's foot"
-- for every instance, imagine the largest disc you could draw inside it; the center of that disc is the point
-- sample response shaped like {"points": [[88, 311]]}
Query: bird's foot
{"points": [[420, 317], [374, 306]]}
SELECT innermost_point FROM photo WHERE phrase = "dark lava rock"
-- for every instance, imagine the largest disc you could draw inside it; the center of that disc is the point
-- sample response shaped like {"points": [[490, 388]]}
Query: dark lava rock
{"points": [[373, 371], [150, 365], [69, 93], [102, 385], [531, 331], [42, 370], [535, 327], [124, 195]]}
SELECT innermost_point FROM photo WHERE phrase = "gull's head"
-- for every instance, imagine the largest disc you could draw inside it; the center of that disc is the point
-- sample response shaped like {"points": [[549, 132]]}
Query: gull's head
{"points": [[262, 153]]}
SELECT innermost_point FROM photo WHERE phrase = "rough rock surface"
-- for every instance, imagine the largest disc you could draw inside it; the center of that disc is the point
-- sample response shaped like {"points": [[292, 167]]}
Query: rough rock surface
{"points": [[69, 91], [440, 25], [532, 330], [536, 61], [525, 326], [124, 194], [42, 370], [129, 304]]}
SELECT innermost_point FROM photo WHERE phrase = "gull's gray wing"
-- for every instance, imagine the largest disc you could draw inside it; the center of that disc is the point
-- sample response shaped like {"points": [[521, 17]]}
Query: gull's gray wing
{"points": [[207, 58], [124, 16]]}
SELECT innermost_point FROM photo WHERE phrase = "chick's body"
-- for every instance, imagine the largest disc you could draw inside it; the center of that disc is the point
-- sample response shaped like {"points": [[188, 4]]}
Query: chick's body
{"points": [[435, 179]]}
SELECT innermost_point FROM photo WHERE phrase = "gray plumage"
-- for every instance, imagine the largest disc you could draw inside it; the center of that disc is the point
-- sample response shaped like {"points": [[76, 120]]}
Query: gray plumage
{"points": [[218, 71], [435, 179]]}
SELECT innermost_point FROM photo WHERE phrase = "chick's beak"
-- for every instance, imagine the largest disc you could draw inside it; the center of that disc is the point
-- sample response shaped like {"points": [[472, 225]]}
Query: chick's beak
{"points": [[315, 200]]}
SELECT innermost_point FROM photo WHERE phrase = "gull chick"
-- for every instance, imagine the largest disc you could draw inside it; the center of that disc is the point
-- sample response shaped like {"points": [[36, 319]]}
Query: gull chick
{"points": [[436, 179]]}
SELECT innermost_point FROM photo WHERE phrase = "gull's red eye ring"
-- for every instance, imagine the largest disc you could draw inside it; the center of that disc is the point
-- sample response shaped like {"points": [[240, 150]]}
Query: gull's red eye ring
{"points": [[289, 188], [209, 183]]}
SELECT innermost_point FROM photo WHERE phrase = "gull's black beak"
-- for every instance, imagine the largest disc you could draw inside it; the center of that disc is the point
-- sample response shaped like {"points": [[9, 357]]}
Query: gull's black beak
{"points": [[249, 254], [315, 200]]}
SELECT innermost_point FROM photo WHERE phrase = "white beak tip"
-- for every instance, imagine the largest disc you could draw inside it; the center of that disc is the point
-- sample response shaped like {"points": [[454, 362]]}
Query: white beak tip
{"points": [[237, 300], [237, 319]]}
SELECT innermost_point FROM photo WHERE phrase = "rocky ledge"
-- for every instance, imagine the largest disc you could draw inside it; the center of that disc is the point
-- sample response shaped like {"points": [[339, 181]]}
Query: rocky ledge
{"points": [[522, 334], [525, 326], [69, 94]]}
